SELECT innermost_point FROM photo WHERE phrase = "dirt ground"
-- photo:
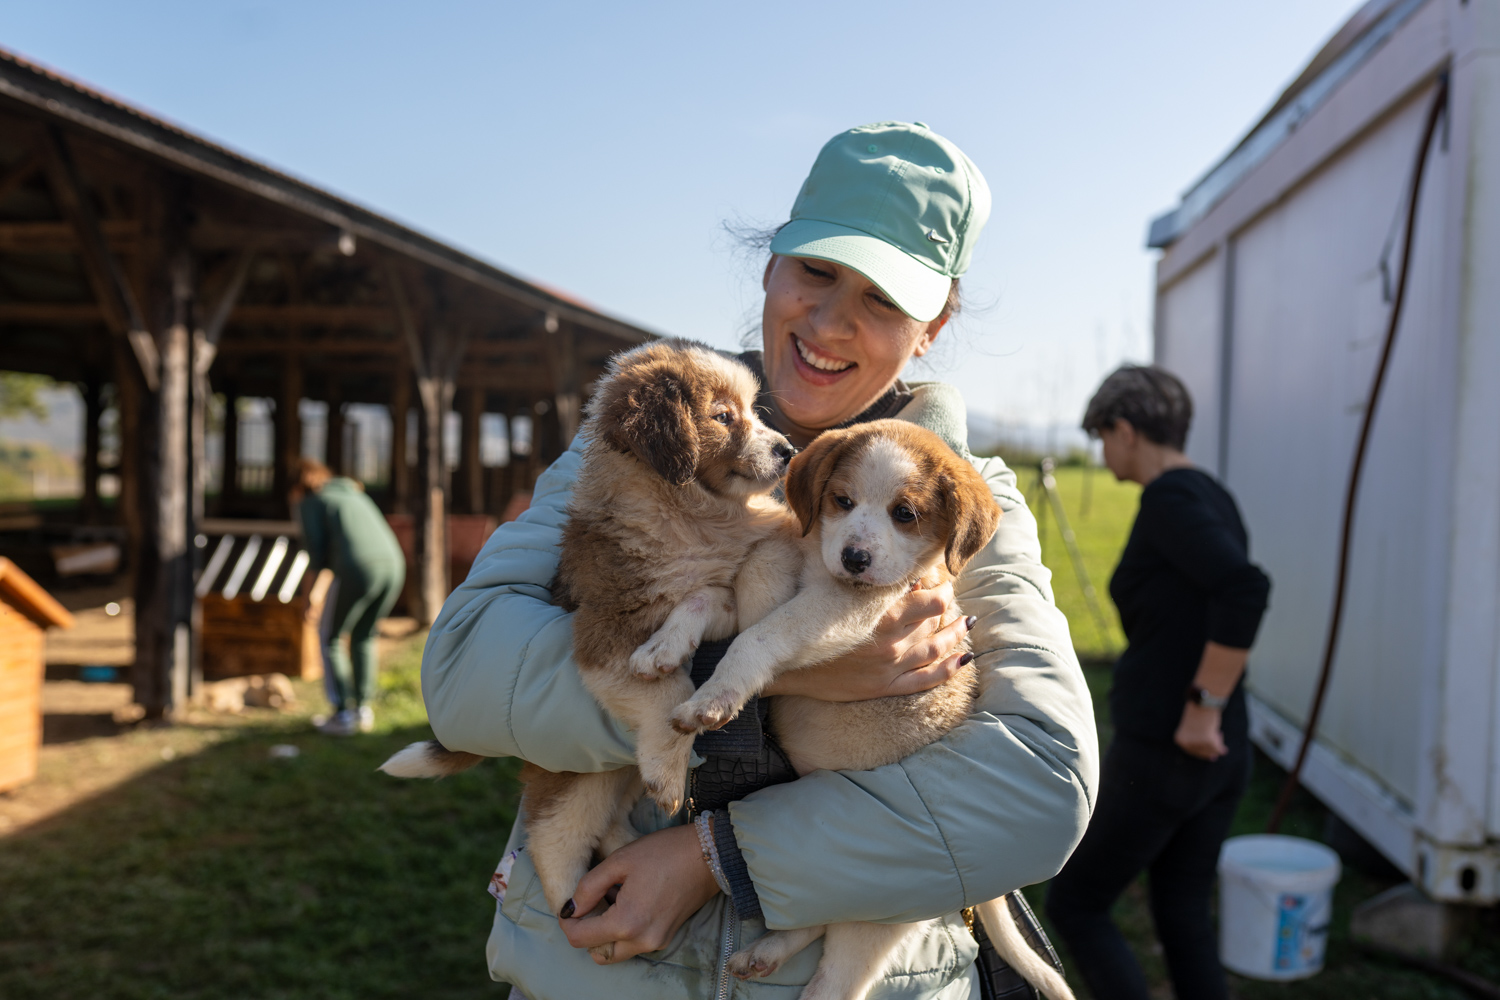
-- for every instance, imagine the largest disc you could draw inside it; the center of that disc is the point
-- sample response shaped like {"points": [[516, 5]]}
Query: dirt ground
{"points": [[91, 742]]}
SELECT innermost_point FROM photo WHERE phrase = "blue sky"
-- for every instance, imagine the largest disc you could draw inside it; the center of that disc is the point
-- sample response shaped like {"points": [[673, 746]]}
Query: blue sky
{"points": [[600, 147]]}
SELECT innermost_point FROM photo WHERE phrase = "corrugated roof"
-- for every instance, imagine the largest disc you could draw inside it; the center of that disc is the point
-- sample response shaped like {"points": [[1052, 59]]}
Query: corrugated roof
{"points": [[71, 101]]}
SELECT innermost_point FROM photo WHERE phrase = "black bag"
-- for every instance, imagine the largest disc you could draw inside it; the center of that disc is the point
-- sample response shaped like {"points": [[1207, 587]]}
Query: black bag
{"points": [[997, 980], [742, 758]]}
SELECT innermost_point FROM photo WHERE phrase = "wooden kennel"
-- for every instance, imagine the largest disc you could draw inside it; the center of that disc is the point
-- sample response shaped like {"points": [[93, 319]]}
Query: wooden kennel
{"points": [[26, 611], [257, 616]]}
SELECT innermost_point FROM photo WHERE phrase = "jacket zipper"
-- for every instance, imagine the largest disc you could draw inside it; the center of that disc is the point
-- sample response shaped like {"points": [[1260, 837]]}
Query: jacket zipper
{"points": [[726, 950]]}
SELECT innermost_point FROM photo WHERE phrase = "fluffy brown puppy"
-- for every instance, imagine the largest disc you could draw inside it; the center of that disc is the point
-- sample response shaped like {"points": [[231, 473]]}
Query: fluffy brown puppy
{"points": [[665, 527], [884, 507]]}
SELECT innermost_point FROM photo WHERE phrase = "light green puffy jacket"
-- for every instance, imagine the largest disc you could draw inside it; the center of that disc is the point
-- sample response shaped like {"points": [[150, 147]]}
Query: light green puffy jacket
{"points": [[998, 803]]}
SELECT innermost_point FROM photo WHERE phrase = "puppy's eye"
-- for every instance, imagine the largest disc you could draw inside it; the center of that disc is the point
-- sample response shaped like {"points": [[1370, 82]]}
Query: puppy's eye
{"points": [[903, 513], [844, 502], [726, 418]]}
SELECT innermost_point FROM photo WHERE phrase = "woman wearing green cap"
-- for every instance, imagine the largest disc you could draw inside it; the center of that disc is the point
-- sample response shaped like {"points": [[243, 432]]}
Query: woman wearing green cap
{"points": [[861, 279]]}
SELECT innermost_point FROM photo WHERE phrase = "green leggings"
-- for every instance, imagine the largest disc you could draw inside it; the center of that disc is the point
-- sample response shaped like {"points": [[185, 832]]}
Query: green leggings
{"points": [[360, 603]]}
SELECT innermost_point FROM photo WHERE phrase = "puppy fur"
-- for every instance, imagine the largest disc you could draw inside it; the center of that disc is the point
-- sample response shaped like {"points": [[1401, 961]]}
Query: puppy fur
{"points": [[670, 518], [884, 507]]}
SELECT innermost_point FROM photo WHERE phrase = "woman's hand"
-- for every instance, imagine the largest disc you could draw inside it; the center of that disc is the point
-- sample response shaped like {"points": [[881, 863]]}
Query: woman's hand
{"points": [[911, 651], [1198, 733], [662, 881]]}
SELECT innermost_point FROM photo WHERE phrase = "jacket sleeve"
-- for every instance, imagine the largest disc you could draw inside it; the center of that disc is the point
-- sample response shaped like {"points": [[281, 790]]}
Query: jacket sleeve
{"points": [[497, 673], [998, 803]]}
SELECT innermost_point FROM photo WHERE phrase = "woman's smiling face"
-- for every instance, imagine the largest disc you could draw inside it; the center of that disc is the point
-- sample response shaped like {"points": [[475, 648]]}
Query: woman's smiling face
{"points": [[833, 343]]}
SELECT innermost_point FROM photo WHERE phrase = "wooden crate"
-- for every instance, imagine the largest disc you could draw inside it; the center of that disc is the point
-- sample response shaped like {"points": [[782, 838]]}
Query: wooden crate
{"points": [[241, 637], [25, 610]]}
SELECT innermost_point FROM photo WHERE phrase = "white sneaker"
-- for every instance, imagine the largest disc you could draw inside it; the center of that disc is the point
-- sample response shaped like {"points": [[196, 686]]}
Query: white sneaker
{"points": [[366, 719], [343, 723]]}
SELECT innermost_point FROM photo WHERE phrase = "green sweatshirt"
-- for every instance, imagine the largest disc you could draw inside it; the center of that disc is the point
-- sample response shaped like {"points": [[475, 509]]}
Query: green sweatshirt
{"points": [[343, 530]]}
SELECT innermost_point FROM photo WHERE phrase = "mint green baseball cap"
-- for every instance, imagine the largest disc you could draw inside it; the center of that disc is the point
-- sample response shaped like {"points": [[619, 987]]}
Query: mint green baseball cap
{"points": [[896, 202]]}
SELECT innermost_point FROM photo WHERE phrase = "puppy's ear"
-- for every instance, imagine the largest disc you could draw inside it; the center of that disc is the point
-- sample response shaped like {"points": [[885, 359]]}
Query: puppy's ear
{"points": [[973, 511], [807, 477], [648, 412]]}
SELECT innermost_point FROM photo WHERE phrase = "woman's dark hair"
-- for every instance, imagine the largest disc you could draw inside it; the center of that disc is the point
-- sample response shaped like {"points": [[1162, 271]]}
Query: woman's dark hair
{"points": [[1153, 399], [758, 241]]}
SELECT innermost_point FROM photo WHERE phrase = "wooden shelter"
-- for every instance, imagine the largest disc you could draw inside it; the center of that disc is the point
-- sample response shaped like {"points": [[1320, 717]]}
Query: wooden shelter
{"points": [[161, 271], [26, 612]]}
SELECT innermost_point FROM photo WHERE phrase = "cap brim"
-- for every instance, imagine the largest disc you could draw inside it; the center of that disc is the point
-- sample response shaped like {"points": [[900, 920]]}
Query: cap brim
{"points": [[920, 291]]}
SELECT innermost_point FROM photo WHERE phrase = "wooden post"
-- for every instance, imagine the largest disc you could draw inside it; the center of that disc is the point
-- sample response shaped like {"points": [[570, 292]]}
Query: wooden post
{"points": [[436, 397], [400, 474], [288, 431], [175, 510], [435, 352], [333, 451], [92, 407], [163, 594], [546, 433], [128, 401], [205, 350], [229, 486], [470, 464], [562, 356]]}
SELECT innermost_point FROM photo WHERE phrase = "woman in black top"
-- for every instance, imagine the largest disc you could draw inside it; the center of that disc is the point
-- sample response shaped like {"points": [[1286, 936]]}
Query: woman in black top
{"points": [[1190, 601]]}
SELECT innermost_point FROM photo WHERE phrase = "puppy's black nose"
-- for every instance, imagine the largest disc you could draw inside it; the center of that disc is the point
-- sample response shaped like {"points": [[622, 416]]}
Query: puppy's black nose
{"points": [[855, 560], [784, 451]]}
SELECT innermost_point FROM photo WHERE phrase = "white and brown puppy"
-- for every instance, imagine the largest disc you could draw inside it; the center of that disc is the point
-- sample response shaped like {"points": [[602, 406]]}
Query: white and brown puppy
{"points": [[671, 502], [884, 507]]}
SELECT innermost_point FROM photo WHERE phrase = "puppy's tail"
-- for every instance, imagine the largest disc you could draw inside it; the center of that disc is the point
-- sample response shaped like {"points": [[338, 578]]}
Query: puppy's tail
{"points": [[1017, 951], [429, 759]]}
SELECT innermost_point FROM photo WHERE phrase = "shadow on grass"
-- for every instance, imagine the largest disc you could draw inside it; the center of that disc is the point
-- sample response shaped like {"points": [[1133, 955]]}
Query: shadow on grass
{"points": [[235, 874]]}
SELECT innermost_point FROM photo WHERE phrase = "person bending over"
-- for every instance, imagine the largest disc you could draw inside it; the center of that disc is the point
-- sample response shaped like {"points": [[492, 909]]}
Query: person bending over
{"points": [[345, 532]]}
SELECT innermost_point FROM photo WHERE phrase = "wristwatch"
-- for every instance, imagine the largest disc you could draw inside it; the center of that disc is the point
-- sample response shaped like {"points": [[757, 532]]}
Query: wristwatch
{"points": [[1198, 696]]}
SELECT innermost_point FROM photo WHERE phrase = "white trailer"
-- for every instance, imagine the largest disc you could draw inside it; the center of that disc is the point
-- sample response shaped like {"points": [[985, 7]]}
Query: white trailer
{"points": [[1271, 304]]}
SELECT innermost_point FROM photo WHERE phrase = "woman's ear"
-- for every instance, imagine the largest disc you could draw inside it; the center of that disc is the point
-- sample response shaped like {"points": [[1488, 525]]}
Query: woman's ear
{"points": [[765, 279], [811, 468], [928, 336]]}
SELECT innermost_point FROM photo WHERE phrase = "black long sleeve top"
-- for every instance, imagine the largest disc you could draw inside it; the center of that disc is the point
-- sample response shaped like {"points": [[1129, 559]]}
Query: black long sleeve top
{"points": [[1184, 579]]}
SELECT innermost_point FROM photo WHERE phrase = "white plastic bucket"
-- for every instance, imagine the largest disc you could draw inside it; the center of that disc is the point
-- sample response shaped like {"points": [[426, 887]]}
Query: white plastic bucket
{"points": [[1275, 905]]}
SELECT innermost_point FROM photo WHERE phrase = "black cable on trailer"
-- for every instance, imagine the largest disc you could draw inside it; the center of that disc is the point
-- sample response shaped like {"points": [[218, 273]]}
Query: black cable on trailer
{"points": [[1413, 198]]}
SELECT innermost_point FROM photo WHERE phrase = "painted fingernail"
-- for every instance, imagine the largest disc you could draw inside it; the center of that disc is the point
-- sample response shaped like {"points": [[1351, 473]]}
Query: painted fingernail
{"points": [[966, 659], [567, 910], [971, 621]]}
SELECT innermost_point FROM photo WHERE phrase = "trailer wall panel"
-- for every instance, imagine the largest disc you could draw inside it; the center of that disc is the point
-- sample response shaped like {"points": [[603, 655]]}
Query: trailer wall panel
{"points": [[1189, 315], [1308, 318]]}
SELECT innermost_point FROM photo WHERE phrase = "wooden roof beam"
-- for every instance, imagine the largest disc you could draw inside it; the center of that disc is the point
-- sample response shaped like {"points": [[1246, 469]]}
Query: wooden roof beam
{"points": [[61, 237], [20, 173], [121, 313]]}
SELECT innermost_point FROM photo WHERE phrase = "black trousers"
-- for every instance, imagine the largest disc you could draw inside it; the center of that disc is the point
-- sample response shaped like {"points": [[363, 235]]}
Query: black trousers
{"points": [[1166, 813]]}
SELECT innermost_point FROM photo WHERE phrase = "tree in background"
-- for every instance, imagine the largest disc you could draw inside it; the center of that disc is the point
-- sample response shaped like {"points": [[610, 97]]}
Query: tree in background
{"points": [[20, 394]]}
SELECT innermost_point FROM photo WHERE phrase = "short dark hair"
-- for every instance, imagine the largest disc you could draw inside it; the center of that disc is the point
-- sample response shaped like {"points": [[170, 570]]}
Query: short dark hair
{"points": [[1153, 399]]}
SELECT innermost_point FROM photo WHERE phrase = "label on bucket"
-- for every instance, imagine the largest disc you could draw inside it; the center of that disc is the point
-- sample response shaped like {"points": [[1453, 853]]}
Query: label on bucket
{"points": [[1292, 947]]}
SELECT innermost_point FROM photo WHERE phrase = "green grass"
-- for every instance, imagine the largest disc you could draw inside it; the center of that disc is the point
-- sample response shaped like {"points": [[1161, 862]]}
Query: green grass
{"points": [[1100, 513], [226, 873], [232, 874]]}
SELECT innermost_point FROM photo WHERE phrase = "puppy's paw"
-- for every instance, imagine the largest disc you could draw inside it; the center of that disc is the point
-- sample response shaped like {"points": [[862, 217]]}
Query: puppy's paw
{"points": [[665, 783], [659, 656], [749, 964], [669, 795], [603, 954], [699, 713]]}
